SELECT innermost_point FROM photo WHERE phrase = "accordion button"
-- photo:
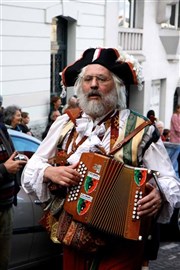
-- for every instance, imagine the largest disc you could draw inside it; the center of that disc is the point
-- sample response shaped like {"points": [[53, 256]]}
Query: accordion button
{"points": [[140, 237]]}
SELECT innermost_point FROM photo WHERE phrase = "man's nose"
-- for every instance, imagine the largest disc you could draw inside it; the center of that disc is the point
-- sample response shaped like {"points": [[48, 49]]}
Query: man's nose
{"points": [[94, 83]]}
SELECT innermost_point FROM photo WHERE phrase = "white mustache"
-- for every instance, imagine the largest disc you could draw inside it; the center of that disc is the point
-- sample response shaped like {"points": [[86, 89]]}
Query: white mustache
{"points": [[94, 93]]}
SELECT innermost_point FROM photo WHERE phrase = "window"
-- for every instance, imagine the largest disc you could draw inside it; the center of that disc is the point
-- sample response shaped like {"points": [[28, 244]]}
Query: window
{"points": [[174, 20], [127, 13], [58, 52]]}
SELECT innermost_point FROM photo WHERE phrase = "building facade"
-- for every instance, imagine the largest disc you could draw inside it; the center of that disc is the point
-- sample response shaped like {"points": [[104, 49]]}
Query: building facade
{"points": [[39, 38]]}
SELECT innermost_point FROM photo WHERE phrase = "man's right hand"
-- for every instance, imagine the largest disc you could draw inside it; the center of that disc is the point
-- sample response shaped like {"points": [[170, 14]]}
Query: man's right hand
{"points": [[62, 175], [13, 166]]}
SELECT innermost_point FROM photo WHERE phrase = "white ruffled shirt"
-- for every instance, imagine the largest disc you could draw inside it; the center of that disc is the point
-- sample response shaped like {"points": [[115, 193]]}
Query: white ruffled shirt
{"points": [[155, 158]]}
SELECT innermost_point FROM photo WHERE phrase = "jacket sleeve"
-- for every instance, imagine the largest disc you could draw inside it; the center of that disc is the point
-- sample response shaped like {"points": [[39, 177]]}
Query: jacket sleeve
{"points": [[3, 173]]}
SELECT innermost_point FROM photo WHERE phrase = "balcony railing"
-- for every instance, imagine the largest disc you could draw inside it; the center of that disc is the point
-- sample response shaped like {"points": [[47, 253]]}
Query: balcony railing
{"points": [[131, 40]]}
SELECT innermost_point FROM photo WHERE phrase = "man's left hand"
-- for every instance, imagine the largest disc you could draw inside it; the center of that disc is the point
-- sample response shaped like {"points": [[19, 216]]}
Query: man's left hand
{"points": [[151, 203]]}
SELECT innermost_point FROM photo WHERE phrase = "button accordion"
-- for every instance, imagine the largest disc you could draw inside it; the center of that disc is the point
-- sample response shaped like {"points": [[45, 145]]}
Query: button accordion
{"points": [[107, 195]]}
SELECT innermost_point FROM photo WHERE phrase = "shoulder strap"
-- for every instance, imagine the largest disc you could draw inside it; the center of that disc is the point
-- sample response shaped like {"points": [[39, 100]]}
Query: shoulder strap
{"points": [[129, 136], [73, 114]]}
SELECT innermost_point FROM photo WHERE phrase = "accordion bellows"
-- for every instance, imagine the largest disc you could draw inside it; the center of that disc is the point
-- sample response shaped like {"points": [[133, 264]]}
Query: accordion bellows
{"points": [[106, 197]]}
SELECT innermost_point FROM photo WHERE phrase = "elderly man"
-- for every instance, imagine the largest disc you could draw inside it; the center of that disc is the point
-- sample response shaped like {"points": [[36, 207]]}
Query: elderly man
{"points": [[101, 77]]}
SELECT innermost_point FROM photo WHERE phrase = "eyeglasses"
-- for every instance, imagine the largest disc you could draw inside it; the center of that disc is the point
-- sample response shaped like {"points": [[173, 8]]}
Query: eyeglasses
{"points": [[101, 79]]}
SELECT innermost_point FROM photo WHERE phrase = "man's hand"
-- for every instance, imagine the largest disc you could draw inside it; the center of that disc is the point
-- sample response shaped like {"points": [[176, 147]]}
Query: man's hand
{"points": [[151, 203], [13, 166], [63, 175]]}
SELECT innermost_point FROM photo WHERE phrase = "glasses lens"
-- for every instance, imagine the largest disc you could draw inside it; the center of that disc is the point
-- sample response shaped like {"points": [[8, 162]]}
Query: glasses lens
{"points": [[101, 79]]}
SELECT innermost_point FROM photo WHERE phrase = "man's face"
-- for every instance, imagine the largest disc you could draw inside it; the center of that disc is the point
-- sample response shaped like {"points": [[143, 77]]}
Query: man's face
{"points": [[98, 94]]}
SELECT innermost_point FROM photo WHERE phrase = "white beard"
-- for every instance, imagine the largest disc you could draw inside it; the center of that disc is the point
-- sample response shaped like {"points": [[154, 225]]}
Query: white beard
{"points": [[98, 108]]}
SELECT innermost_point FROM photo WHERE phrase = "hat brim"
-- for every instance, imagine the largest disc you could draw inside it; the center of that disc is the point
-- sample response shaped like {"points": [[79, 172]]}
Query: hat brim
{"points": [[109, 58]]}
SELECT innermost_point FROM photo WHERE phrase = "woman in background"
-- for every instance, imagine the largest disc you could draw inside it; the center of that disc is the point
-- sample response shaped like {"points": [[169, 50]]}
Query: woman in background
{"points": [[24, 123], [12, 117], [175, 126]]}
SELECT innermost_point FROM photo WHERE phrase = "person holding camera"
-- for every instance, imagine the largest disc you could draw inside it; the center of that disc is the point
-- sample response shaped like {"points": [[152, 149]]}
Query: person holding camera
{"points": [[10, 164]]}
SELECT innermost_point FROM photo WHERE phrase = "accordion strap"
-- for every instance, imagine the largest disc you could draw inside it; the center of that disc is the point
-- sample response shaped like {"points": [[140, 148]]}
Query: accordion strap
{"points": [[74, 114], [129, 136]]}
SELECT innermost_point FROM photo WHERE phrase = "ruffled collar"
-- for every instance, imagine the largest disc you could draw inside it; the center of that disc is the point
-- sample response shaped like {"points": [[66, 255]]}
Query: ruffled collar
{"points": [[86, 126]]}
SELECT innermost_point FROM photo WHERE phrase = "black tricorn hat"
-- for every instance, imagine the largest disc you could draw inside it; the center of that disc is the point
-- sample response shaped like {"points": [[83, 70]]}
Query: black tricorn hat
{"points": [[121, 65]]}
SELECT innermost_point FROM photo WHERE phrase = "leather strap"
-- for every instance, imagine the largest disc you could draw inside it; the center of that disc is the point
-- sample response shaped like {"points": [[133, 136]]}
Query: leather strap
{"points": [[73, 114], [129, 136]]}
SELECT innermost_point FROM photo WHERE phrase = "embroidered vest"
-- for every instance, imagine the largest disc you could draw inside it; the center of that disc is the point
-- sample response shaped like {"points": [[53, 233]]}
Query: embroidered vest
{"points": [[129, 152]]}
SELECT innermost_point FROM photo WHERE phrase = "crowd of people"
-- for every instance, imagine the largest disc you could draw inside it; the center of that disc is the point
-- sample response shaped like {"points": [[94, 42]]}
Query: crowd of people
{"points": [[100, 79], [14, 118], [171, 134]]}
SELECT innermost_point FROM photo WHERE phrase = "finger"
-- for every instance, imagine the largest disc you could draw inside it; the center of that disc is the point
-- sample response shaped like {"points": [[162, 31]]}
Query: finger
{"points": [[67, 182], [13, 155], [73, 165], [22, 162], [149, 186], [148, 209]]}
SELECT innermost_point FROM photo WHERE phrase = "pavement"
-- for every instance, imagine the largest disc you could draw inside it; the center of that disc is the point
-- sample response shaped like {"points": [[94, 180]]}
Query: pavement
{"points": [[168, 257]]}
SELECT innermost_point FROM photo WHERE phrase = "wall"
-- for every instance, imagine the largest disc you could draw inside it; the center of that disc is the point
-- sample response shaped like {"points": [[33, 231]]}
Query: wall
{"points": [[157, 67], [25, 46]]}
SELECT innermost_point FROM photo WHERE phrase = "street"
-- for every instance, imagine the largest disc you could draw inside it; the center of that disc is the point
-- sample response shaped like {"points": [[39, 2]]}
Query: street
{"points": [[168, 257]]}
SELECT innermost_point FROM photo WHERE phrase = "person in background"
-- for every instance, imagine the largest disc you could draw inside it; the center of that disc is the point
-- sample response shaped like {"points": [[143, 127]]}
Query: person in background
{"points": [[151, 116], [160, 127], [12, 117], [53, 116], [175, 126], [166, 135], [100, 78], [24, 123], [55, 104], [71, 104], [9, 168], [1, 109]]}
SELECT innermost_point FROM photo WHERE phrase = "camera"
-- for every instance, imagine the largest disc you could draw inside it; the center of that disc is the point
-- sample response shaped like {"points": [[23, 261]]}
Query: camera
{"points": [[20, 157]]}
